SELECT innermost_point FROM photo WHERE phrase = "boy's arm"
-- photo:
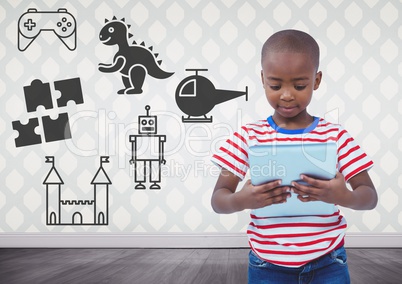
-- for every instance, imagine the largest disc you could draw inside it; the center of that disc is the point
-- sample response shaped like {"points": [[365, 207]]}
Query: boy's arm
{"points": [[363, 196], [225, 199]]}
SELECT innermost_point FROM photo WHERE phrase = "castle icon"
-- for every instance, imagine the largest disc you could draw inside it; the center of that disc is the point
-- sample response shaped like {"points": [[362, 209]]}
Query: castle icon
{"points": [[61, 211]]}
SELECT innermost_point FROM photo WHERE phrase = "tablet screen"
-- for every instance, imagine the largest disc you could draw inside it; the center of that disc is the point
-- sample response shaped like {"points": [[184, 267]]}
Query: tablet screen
{"points": [[287, 162]]}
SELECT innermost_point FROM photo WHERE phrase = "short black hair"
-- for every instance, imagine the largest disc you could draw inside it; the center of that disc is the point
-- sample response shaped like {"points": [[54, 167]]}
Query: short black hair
{"points": [[292, 41]]}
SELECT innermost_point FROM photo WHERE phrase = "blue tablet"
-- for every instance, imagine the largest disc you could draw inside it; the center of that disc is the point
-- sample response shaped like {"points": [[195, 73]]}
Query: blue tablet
{"points": [[287, 162]]}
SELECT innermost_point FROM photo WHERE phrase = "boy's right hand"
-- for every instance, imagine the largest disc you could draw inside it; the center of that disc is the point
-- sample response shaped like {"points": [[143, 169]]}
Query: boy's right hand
{"points": [[225, 198], [258, 196]]}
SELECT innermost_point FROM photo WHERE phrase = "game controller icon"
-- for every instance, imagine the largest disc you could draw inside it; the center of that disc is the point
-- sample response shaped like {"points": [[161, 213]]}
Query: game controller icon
{"points": [[33, 22]]}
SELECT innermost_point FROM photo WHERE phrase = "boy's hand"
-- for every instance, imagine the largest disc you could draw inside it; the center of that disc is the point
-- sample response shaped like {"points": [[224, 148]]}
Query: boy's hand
{"points": [[225, 198], [259, 196], [330, 191]]}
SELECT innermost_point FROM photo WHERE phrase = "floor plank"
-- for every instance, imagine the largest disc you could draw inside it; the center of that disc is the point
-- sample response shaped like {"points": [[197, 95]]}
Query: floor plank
{"points": [[214, 269], [187, 270], [375, 265], [196, 266]]}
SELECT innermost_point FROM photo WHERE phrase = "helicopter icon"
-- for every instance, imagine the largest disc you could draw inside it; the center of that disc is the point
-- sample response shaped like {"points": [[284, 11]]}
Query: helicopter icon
{"points": [[196, 96]]}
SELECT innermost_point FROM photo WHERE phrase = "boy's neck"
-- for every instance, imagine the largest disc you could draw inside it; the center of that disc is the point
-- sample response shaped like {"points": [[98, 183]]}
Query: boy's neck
{"points": [[301, 121]]}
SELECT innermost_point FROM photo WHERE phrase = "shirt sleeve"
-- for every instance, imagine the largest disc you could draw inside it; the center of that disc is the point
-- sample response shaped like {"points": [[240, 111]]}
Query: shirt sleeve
{"points": [[351, 158], [233, 154]]}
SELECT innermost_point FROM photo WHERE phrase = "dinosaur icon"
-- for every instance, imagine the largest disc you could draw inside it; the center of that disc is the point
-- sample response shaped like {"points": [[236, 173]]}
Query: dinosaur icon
{"points": [[134, 61]]}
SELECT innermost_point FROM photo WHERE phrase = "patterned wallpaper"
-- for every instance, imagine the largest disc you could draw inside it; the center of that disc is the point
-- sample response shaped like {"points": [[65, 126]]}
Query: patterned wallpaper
{"points": [[66, 161]]}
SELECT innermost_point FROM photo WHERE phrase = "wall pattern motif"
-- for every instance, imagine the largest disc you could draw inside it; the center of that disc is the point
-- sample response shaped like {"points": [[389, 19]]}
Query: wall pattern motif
{"points": [[362, 72]]}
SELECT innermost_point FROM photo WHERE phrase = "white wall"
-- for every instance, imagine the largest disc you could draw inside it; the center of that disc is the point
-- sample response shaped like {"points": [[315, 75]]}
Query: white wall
{"points": [[362, 71]]}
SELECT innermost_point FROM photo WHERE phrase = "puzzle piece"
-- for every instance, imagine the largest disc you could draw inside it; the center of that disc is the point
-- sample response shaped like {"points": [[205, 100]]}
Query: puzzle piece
{"points": [[58, 129], [37, 94], [27, 135], [70, 90]]}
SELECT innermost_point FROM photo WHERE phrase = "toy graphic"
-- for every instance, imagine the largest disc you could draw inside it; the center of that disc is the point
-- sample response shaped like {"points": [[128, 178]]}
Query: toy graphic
{"points": [[58, 129], [196, 96], [70, 90], [60, 211], [27, 135], [133, 61], [53, 130], [147, 152], [33, 22], [39, 94]]}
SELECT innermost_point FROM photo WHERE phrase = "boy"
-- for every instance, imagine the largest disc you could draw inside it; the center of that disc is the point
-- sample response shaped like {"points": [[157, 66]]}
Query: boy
{"points": [[308, 249]]}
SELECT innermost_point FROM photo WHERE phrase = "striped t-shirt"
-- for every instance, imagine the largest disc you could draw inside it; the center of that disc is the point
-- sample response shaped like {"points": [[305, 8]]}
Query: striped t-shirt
{"points": [[293, 241]]}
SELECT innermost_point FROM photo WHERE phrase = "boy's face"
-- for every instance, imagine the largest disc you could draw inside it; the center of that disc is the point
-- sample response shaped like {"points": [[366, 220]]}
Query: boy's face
{"points": [[289, 80]]}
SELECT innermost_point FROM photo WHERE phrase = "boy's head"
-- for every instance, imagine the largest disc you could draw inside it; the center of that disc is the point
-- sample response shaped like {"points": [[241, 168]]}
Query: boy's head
{"points": [[289, 74], [293, 41]]}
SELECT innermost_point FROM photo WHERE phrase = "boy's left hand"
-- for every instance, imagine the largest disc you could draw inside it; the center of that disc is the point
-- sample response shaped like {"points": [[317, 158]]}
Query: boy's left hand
{"points": [[330, 191]]}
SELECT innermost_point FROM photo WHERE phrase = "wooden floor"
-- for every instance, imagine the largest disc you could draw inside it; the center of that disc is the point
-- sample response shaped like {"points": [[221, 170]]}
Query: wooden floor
{"points": [[189, 266]]}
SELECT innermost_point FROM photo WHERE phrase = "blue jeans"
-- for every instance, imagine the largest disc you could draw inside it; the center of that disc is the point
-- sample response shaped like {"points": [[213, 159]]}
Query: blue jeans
{"points": [[331, 268]]}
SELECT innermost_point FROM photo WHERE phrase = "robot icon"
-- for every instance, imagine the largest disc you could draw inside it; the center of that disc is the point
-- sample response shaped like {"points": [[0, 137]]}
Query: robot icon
{"points": [[147, 149]]}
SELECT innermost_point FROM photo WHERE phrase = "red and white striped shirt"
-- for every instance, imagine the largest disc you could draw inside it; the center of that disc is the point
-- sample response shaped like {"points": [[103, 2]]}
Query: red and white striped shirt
{"points": [[293, 241]]}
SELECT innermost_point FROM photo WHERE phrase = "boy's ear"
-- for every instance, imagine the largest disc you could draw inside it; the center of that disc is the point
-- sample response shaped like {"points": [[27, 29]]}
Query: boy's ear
{"points": [[317, 81], [262, 78]]}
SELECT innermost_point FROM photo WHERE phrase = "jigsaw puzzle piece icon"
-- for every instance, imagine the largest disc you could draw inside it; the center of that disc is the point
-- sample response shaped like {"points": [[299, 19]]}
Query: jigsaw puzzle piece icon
{"points": [[58, 129], [70, 90], [37, 94], [27, 135]]}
